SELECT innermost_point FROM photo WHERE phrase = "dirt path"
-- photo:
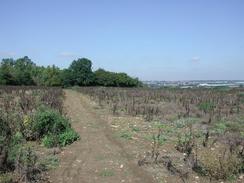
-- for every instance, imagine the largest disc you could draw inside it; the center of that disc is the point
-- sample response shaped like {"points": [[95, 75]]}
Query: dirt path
{"points": [[98, 156]]}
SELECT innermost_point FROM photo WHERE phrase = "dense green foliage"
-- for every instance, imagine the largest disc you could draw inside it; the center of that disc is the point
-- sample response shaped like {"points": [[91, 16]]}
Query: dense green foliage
{"points": [[48, 121], [53, 128], [17, 72], [68, 137], [106, 78], [24, 72]]}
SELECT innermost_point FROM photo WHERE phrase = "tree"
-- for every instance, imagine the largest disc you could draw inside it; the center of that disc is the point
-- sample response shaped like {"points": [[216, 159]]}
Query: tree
{"points": [[67, 78], [51, 76], [23, 71], [37, 75], [106, 78], [80, 72], [6, 72]]}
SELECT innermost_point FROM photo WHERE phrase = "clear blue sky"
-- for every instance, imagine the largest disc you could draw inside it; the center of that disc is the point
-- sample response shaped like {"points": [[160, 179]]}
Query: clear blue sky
{"points": [[150, 39]]}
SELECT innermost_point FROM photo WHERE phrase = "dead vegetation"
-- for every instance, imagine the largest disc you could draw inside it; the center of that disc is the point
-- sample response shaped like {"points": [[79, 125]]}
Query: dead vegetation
{"points": [[194, 132]]}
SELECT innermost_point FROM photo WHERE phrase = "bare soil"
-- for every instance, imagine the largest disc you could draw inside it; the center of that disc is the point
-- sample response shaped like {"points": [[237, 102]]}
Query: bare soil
{"points": [[98, 156]]}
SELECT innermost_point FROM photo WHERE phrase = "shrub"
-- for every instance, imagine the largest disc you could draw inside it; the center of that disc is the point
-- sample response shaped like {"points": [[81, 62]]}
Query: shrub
{"points": [[17, 138], [50, 141], [5, 130], [68, 137], [53, 128], [220, 128], [14, 147], [49, 121], [220, 165], [185, 143], [27, 127], [206, 106], [27, 165], [183, 122], [63, 139], [6, 178]]}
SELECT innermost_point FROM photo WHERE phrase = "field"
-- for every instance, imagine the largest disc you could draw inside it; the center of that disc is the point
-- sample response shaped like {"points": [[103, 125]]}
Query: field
{"points": [[125, 91], [179, 135], [122, 135]]}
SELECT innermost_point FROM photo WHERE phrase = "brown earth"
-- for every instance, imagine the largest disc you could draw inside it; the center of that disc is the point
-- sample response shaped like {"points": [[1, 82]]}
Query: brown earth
{"points": [[98, 156]]}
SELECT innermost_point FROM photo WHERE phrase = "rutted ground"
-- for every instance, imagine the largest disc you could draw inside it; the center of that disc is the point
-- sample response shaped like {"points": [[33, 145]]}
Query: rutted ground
{"points": [[98, 156]]}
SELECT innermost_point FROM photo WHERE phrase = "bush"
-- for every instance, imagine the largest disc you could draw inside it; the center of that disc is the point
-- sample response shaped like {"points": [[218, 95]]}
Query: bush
{"points": [[14, 147], [220, 127], [185, 143], [17, 138], [220, 165], [48, 121], [206, 106], [63, 139], [53, 128], [5, 130], [6, 178], [68, 137], [50, 141], [27, 165], [27, 127]]}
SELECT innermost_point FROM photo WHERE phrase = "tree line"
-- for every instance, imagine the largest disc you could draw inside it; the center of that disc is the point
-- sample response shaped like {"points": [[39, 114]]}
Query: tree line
{"points": [[23, 71]]}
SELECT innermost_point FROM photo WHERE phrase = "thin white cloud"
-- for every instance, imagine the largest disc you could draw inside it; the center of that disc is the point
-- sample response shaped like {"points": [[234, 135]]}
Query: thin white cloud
{"points": [[67, 54], [195, 59], [7, 53]]}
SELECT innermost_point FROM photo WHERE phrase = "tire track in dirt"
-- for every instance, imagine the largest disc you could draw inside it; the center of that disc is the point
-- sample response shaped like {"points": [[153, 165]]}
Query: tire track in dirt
{"points": [[98, 157]]}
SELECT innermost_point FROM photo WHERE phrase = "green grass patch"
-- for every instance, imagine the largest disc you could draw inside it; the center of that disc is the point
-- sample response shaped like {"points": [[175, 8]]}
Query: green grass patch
{"points": [[135, 129], [106, 173], [161, 140], [126, 135]]}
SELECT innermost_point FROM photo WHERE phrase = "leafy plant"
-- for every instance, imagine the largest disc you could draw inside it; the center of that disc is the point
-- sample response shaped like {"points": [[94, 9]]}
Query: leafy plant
{"points": [[50, 141], [220, 127], [185, 143], [206, 106], [14, 147], [49, 121], [27, 165], [126, 135], [135, 129], [68, 137]]}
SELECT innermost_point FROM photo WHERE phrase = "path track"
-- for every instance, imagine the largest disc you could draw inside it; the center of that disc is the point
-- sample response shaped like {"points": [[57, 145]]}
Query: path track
{"points": [[98, 157]]}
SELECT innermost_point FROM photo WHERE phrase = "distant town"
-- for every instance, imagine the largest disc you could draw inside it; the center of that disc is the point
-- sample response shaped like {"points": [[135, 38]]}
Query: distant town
{"points": [[196, 83]]}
